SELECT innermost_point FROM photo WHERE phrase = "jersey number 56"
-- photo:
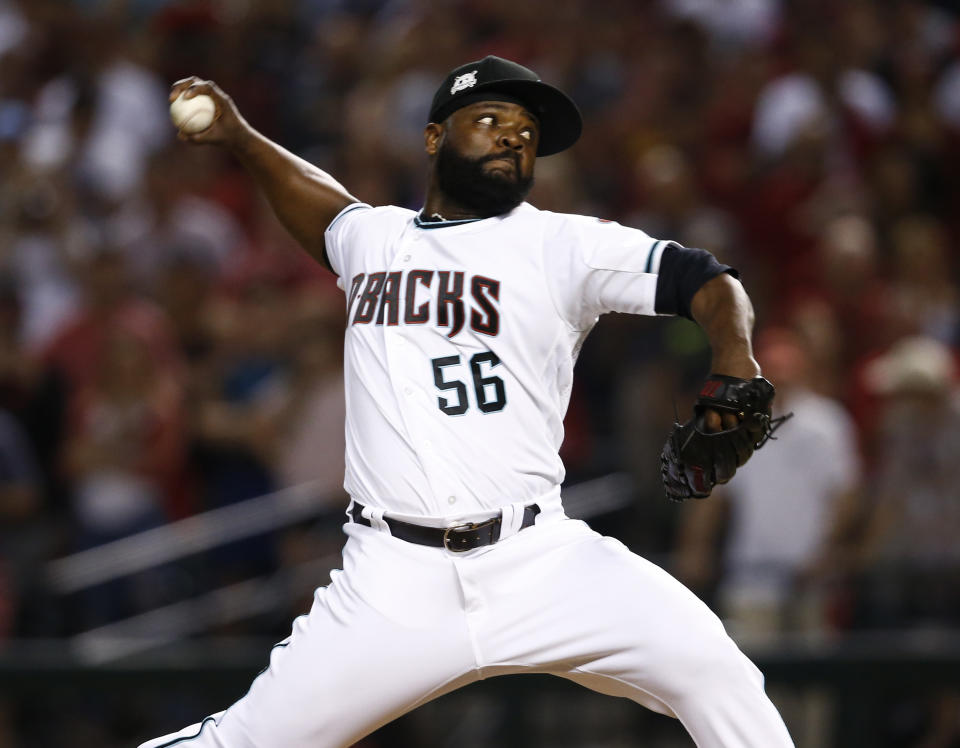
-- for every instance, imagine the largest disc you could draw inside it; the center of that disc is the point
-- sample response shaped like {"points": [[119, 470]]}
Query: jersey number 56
{"points": [[489, 390]]}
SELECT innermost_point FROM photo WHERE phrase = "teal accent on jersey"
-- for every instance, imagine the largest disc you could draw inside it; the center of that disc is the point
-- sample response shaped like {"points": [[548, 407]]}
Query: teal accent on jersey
{"points": [[422, 224], [279, 645], [191, 737], [344, 212], [653, 251]]}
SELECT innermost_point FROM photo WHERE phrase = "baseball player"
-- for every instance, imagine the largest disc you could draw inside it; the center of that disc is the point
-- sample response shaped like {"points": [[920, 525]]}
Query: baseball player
{"points": [[464, 320]]}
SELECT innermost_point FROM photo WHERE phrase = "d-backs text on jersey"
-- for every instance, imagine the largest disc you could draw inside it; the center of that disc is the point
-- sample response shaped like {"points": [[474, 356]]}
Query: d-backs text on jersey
{"points": [[382, 295]]}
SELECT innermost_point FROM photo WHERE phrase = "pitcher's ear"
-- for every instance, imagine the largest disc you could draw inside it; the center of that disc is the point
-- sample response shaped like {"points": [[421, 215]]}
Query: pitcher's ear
{"points": [[432, 137]]}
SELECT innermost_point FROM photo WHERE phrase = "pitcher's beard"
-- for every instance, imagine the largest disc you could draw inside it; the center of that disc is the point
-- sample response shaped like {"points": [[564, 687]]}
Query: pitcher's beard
{"points": [[488, 194]]}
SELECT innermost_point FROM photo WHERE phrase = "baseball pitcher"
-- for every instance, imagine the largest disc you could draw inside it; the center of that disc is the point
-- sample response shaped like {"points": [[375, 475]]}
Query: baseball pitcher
{"points": [[464, 320]]}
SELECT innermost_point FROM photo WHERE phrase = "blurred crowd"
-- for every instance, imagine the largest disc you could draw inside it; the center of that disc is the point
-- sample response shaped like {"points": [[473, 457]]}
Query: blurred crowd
{"points": [[166, 349]]}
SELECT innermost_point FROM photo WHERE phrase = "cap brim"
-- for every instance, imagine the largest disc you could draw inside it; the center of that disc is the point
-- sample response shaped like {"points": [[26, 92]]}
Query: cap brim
{"points": [[559, 118]]}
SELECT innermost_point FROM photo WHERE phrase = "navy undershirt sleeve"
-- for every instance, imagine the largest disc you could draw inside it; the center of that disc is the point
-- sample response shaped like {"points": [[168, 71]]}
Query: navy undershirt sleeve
{"points": [[682, 272]]}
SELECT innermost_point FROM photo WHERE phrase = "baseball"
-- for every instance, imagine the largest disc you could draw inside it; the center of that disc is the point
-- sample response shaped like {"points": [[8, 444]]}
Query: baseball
{"points": [[193, 115]]}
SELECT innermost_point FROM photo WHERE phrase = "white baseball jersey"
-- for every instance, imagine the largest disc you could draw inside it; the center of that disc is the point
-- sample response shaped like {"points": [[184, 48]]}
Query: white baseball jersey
{"points": [[460, 345]]}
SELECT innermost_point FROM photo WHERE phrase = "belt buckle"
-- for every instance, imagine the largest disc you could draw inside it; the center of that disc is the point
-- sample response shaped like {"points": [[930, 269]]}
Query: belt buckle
{"points": [[466, 527]]}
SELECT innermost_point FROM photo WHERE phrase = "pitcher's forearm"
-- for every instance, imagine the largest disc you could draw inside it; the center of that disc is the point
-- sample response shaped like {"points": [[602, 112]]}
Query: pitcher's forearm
{"points": [[304, 197], [723, 309]]}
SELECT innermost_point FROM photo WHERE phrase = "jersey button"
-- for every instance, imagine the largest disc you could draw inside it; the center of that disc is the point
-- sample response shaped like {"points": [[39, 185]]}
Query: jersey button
{"points": [[406, 258], [451, 499], [408, 390]]}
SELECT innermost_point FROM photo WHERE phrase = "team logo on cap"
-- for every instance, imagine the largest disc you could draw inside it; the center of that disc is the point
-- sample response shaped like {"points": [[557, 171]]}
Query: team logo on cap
{"points": [[462, 82]]}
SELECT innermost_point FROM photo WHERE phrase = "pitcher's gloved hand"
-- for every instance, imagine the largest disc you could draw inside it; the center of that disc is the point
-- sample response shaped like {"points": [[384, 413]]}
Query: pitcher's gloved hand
{"points": [[694, 459]]}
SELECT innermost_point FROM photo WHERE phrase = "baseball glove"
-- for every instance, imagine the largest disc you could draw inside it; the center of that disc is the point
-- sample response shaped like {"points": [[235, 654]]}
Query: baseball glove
{"points": [[694, 460]]}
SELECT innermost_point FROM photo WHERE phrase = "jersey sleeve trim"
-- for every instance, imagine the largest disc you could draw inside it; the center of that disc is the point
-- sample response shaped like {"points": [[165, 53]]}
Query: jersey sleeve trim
{"points": [[331, 242], [342, 213], [656, 254]]}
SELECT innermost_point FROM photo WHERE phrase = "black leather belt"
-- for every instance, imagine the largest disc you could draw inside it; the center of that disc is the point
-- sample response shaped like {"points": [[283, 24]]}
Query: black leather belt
{"points": [[458, 538]]}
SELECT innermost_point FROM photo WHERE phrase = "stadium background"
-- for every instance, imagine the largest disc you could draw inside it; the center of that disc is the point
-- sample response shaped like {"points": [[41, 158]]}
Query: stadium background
{"points": [[165, 352]]}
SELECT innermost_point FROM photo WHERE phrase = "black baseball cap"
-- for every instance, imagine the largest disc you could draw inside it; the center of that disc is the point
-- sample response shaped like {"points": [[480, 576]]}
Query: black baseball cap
{"points": [[496, 79]]}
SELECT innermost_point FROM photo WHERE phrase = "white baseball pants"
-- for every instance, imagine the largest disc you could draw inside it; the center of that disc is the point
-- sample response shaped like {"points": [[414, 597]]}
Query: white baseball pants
{"points": [[403, 624]]}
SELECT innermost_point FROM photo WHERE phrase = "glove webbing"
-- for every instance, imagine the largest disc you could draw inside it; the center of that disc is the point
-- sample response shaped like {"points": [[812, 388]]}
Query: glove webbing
{"points": [[769, 425]]}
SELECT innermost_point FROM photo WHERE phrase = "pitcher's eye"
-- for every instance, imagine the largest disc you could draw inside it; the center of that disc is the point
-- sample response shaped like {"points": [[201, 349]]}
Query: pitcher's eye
{"points": [[527, 134], [486, 120]]}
